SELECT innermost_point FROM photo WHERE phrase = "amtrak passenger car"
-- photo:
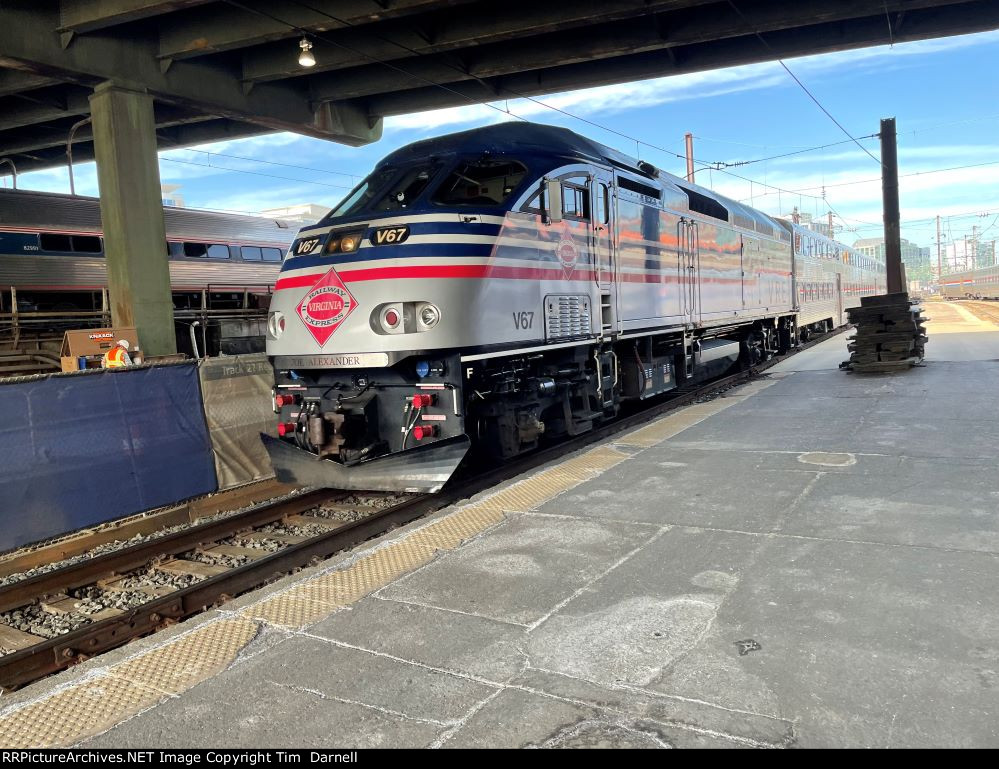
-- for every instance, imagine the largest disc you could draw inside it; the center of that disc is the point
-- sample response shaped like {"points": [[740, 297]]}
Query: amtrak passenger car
{"points": [[505, 285], [982, 283], [52, 250]]}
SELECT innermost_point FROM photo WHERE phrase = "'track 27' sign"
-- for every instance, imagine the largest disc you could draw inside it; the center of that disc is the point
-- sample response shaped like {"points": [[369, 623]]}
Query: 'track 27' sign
{"points": [[326, 306]]}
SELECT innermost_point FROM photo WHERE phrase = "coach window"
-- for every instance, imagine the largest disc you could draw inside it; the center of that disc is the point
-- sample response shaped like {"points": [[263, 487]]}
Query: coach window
{"points": [[87, 244], [272, 254], [51, 241], [195, 249], [482, 182], [216, 251], [250, 253]]}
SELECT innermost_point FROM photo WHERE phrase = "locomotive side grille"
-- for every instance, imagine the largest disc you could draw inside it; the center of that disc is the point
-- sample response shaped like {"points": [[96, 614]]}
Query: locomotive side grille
{"points": [[567, 316]]}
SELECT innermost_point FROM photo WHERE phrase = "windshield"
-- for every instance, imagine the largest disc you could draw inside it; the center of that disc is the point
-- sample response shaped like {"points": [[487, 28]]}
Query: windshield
{"points": [[407, 188], [483, 182], [362, 193]]}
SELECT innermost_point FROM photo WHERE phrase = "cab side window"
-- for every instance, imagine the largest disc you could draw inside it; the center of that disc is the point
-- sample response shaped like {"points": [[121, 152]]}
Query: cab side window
{"points": [[575, 202]]}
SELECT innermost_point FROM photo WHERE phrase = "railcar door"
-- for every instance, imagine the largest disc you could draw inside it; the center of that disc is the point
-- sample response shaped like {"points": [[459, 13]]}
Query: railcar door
{"points": [[603, 245], [688, 254]]}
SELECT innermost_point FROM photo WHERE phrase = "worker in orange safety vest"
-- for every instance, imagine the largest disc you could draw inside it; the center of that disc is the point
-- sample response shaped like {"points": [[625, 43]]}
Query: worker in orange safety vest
{"points": [[117, 356]]}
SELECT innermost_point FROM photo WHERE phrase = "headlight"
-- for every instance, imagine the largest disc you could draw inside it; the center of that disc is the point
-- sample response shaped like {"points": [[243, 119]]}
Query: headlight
{"points": [[428, 315], [275, 324], [344, 243]]}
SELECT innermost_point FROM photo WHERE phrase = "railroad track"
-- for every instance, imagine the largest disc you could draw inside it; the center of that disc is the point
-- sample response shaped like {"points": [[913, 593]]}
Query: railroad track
{"points": [[57, 618], [987, 311]]}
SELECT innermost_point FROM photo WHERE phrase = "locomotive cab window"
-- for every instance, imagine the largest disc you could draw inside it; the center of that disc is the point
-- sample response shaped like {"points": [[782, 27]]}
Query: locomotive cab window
{"points": [[575, 202], [362, 194], [408, 188], [603, 204], [483, 182]]}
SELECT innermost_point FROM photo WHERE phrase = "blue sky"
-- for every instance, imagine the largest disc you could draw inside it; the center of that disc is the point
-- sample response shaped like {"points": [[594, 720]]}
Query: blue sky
{"points": [[942, 93]]}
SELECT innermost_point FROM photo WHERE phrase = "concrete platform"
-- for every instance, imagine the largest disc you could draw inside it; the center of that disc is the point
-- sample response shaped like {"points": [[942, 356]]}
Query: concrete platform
{"points": [[809, 561]]}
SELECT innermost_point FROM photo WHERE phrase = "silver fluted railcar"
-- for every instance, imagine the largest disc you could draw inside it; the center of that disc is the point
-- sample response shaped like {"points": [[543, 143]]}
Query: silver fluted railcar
{"points": [[53, 273]]}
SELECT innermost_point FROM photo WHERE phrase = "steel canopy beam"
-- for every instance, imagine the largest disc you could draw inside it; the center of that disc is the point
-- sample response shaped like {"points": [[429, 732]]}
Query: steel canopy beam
{"points": [[476, 25], [840, 36], [621, 38], [170, 137], [13, 81], [16, 111], [229, 26], [28, 40], [90, 15]]}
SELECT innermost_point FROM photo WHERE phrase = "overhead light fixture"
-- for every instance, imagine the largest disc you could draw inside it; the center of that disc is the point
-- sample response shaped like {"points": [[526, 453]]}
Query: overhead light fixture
{"points": [[306, 58]]}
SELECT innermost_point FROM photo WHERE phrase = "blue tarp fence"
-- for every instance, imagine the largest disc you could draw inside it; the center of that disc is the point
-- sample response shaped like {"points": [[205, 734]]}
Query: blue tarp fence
{"points": [[81, 449]]}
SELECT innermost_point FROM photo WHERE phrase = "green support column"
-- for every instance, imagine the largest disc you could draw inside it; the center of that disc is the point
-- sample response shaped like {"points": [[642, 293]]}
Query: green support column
{"points": [[132, 212]]}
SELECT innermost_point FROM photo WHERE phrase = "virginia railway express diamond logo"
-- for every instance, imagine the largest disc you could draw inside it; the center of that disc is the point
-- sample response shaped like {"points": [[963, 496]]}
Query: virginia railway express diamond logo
{"points": [[326, 306], [567, 253]]}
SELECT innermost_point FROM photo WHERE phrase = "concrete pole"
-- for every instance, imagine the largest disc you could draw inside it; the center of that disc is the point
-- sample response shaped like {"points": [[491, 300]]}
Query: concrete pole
{"points": [[889, 196], [689, 142], [132, 214]]}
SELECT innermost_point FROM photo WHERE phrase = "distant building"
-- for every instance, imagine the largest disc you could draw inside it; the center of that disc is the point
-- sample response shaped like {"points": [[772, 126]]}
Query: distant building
{"points": [[303, 213], [915, 259], [170, 196], [966, 254]]}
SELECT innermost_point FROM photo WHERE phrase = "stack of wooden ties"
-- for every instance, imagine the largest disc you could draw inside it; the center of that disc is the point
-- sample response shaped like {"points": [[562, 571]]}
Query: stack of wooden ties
{"points": [[890, 334]]}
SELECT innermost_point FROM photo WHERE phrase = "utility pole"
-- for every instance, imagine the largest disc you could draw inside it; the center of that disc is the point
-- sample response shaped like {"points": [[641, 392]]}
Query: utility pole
{"points": [[974, 247], [830, 225], [939, 263], [689, 141], [889, 196]]}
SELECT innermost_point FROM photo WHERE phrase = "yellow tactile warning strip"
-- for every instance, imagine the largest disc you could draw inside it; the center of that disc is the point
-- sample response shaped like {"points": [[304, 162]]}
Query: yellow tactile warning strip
{"points": [[669, 426], [593, 462], [313, 599], [97, 702], [750, 388], [74, 713], [180, 664]]}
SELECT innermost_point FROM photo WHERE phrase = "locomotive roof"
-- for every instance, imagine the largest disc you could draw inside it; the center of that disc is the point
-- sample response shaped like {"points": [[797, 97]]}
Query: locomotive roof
{"points": [[524, 138], [511, 138]]}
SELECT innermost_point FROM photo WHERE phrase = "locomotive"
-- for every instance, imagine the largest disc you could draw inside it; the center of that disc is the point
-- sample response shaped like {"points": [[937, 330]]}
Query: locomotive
{"points": [[515, 283]]}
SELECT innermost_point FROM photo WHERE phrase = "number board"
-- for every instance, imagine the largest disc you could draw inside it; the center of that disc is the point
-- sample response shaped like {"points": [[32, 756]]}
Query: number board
{"points": [[305, 246], [385, 236]]}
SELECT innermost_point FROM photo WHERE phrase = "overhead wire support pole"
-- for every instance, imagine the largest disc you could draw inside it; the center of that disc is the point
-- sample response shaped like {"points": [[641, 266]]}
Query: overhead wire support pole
{"points": [[939, 262], [689, 144], [889, 195]]}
